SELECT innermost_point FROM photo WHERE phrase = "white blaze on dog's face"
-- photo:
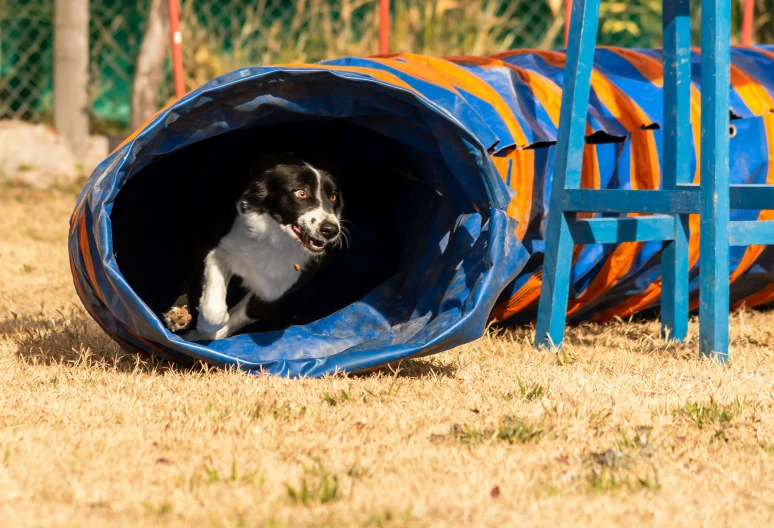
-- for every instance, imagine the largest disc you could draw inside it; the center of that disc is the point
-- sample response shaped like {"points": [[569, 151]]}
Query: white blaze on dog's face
{"points": [[304, 200]]}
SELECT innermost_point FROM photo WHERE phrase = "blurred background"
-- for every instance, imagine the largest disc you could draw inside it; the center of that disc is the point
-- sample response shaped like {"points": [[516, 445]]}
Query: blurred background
{"points": [[222, 35]]}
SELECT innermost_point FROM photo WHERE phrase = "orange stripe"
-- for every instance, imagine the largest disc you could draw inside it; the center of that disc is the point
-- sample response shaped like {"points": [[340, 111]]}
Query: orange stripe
{"points": [[757, 101], [529, 292], [644, 163], [527, 295], [765, 296], [548, 94], [522, 180], [76, 212], [646, 65], [621, 106], [755, 96], [83, 243], [419, 71], [461, 78], [616, 265], [645, 174], [522, 169], [455, 77], [652, 69]]}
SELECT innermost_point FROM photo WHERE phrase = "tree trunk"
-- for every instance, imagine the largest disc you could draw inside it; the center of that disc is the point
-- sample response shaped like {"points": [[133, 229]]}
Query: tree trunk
{"points": [[71, 71], [149, 71]]}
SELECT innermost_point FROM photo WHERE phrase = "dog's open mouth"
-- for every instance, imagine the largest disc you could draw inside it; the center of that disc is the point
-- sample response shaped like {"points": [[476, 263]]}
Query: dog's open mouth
{"points": [[310, 243]]}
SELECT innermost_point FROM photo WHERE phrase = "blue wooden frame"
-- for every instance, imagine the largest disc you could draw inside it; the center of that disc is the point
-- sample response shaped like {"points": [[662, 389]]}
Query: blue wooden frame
{"points": [[714, 192], [568, 165], [677, 163], [712, 199]]}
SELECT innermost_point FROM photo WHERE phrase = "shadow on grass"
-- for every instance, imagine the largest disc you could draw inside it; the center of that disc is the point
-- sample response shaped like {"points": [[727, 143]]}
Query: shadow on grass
{"points": [[638, 334], [72, 338], [642, 334], [429, 367]]}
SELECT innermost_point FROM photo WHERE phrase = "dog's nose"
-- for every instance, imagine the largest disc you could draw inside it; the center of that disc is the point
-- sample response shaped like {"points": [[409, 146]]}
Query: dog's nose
{"points": [[329, 230]]}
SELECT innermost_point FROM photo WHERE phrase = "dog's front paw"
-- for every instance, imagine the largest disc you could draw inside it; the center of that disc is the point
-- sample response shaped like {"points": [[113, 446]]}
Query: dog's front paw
{"points": [[212, 320], [177, 319]]}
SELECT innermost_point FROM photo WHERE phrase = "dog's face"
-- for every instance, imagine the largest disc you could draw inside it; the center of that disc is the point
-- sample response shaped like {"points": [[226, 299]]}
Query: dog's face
{"points": [[303, 199]]}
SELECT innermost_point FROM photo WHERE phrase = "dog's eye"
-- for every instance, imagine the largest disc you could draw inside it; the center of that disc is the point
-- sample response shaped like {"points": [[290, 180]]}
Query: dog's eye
{"points": [[334, 197], [301, 194]]}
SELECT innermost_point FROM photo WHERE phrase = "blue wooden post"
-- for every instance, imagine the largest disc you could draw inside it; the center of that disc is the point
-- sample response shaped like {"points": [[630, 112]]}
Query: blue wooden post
{"points": [[714, 238], [677, 163], [567, 171]]}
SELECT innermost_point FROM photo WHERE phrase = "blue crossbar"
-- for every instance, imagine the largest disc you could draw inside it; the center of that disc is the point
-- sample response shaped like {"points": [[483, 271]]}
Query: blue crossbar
{"points": [[683, 200], [625, 201], [750, 233], [615, 230]]}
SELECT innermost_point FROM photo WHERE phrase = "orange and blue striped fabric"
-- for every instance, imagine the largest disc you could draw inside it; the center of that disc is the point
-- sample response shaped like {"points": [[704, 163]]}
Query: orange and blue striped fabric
{"points": [[490, 123]]}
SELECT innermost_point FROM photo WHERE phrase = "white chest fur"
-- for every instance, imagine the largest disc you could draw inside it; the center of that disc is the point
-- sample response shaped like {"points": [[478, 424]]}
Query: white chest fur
{"points": [[263, 254]]}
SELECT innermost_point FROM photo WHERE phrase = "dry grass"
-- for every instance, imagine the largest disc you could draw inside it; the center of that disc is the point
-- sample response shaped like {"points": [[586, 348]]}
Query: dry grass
{"points": [[619, 429], [315, 30]]}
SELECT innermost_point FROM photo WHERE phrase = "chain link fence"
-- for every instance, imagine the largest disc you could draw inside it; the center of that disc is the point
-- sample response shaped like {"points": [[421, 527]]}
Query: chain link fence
{"points": [[222, 35], [115, 33], [26, 59]]}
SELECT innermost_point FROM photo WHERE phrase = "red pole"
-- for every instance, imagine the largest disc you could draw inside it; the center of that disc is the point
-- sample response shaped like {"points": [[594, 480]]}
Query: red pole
{"points": [[177, 47], [384, 27], [747, 22], [567, 12]]}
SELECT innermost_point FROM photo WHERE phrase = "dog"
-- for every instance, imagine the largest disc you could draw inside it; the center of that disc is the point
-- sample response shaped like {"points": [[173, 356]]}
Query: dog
{"points": [[287, 219]]}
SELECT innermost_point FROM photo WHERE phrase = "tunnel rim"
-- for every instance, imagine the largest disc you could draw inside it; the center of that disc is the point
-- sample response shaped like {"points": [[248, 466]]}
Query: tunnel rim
{"points": [[120, 164]]}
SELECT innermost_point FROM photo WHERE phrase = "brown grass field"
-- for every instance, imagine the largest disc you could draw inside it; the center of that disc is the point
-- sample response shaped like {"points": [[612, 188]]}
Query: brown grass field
{"points": [[620, 429]]}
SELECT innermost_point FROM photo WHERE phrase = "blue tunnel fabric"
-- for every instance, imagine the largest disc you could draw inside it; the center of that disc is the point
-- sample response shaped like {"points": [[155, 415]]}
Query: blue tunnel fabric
{"points": [[480, 132]]}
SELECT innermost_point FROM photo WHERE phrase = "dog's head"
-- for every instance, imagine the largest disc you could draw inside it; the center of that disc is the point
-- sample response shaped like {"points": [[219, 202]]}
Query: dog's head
{"points": [[304, 199]]}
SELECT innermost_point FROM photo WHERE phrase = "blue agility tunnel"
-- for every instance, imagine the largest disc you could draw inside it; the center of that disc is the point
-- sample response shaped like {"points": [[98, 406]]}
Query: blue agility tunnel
{"points": [[434, 257]]}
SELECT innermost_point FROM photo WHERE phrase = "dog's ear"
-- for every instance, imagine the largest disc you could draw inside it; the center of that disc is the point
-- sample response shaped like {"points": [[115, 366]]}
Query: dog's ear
{"points": [[252, 197], [257, 190]]}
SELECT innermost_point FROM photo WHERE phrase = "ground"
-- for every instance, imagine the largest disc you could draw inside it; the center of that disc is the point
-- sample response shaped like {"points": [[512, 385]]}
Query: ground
{"points": [[620, 428]]}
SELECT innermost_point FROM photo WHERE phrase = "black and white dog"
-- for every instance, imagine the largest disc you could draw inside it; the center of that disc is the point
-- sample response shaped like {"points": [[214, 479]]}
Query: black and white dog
{"points": [[287, 218]]}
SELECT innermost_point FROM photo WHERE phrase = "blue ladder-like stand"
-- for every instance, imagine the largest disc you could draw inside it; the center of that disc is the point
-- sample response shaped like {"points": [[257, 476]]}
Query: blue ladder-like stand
{"points": [[678, 198]]}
